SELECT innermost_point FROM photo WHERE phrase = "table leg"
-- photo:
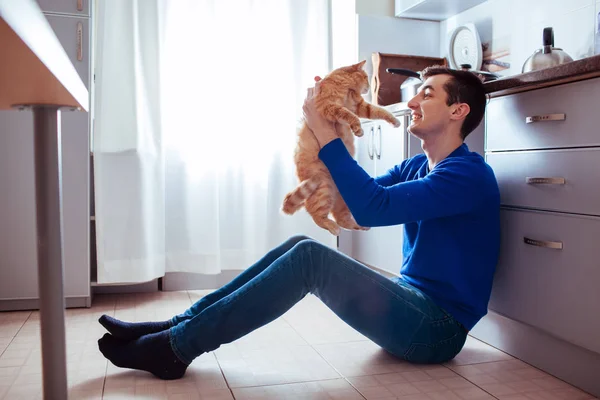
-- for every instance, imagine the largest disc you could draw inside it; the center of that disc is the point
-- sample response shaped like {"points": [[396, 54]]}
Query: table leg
{"points": [[48, 193]]}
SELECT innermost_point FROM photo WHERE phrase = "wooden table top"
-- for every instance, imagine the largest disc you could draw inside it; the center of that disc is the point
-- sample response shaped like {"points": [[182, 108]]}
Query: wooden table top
{"points": [[34, 67]]}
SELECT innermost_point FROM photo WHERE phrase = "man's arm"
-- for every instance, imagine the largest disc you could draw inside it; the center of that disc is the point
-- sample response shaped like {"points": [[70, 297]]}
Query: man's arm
{"points": [[391, 177], [443, 192]]}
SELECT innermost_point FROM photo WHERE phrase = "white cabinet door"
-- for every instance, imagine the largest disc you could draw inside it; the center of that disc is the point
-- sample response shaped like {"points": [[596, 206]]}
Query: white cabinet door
{"points": [[18, 239], [365, 158], [73, 34], [75, 7], [365, 152], [18, 261], [389, 146], [381, 247]]}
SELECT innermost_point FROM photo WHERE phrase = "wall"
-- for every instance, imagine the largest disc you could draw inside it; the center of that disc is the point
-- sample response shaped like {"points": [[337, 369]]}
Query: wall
{"points": [[359, 29], [397, 36], [375, 7], [516, 26]]}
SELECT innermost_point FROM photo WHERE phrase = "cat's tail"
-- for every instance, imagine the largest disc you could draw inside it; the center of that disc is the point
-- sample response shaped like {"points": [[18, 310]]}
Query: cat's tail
{"points": [[294, 200]]}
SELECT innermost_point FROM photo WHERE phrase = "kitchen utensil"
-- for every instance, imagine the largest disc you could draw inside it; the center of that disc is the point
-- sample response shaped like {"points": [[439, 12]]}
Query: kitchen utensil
{"points": [[548, 56], [411, 85], [465, 47]]}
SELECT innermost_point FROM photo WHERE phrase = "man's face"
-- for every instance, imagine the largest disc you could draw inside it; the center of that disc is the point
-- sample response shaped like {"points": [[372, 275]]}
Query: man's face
{"points": [[430, 112]]}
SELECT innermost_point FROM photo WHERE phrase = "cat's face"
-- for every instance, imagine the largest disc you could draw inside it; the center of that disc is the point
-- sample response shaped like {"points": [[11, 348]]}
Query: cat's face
{"points": [[360, 77], [354, 77]]}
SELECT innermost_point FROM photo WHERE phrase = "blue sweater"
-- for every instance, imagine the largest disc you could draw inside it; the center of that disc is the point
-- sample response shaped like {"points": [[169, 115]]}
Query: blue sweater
{"points": [[451, 222]]}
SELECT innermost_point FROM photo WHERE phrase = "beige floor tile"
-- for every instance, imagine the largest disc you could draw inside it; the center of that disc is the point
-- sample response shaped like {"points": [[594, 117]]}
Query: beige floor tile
{"points": [[11, 322], [513, 379], [205, 374], [196, 295], [476, 351], [4, 342], [329, 389], [279, 362], [8, 375], [362, 358], [24, 392], [317, 324], [85, 395], [431, 383]]}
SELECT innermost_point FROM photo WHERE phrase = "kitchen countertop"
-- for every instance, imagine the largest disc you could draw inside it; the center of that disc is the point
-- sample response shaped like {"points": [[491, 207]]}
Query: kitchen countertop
{"points": [[578, 70]]}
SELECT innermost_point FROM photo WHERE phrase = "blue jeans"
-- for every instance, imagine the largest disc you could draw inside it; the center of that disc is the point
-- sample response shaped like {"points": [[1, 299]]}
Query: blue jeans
{"points": [[396, 316]]}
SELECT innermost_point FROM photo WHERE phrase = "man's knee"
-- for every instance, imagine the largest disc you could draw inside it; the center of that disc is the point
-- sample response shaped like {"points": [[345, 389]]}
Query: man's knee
{"points": [[298, 238], [311, 246]]}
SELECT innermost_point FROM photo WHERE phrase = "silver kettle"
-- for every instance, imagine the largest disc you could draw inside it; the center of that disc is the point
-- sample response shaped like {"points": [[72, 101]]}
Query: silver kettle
{"points": [[548, 56]]}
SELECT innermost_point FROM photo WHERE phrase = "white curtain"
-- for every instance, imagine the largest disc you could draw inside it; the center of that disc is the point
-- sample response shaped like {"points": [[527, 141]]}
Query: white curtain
{"points": [[197, 103]]}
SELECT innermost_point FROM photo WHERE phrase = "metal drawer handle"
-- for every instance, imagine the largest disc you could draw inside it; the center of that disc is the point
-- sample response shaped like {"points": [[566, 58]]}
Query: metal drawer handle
{"points": [[378, 148], [547, 117], [545, 181], [543, 243], [79, 41], [370, 144], [79, 5]]}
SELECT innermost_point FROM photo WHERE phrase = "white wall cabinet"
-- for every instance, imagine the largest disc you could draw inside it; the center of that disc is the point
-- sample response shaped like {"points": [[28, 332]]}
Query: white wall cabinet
{"points": [[433, 10], [18, 247]]}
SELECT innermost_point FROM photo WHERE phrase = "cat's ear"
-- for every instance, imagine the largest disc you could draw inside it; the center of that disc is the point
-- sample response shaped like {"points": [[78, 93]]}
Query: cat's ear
{"points": [[360, 64]]}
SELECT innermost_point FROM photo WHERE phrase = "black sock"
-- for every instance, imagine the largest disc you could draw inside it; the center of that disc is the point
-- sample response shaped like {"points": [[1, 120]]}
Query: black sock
{"points": [[152, 353], [132, 330]]}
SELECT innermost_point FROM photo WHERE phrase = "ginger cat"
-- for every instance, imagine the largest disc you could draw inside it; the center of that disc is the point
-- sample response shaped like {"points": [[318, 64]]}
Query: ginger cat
{"points": [[340, 101]]}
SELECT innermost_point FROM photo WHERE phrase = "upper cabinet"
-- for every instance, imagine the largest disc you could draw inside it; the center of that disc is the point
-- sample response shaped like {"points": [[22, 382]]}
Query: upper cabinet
{"points": [[433, 10], [74, 7]]}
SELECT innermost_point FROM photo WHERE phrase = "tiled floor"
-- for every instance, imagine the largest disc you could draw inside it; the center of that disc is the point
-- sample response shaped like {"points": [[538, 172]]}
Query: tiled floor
{"points": [[307, 354]]}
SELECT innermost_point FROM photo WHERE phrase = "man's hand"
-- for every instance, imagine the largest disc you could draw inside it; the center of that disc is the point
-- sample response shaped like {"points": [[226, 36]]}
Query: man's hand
{"points": [[323, 129]]}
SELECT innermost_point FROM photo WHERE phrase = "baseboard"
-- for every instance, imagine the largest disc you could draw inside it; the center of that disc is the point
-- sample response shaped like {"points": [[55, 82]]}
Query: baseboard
{"points": [[145, 287], [573, 364], [34, 304]]}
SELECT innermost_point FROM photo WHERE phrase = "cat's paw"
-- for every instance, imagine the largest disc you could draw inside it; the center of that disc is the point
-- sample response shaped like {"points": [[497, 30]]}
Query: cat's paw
{"points": [[394, 121], [358, 131]]}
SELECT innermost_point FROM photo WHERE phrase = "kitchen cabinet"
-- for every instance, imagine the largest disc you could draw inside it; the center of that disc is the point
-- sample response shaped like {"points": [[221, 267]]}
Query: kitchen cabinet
{"points": [[381, 148], [433, 10], [71, 7], [18, 247], [543, 147]]}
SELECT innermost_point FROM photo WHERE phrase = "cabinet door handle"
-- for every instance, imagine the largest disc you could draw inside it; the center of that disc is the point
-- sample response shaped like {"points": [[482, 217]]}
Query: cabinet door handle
{"points": [[543, 243], [545, 117], [79, 5], [370, 144], [79, 41], [378, 148], [545, 181]]}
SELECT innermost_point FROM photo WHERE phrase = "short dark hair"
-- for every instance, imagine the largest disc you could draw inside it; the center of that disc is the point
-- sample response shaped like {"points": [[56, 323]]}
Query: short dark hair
{"points": [[464, 87]]}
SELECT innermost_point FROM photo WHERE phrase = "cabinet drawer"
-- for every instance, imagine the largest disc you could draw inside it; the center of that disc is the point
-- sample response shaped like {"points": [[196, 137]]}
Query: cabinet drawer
{"points": [[557, 180], [506, 116], [74, 7], [554, 289]]}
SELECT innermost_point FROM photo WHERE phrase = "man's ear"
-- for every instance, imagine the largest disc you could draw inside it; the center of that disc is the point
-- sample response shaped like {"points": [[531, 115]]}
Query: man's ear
{"points": [[460, 111]]}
